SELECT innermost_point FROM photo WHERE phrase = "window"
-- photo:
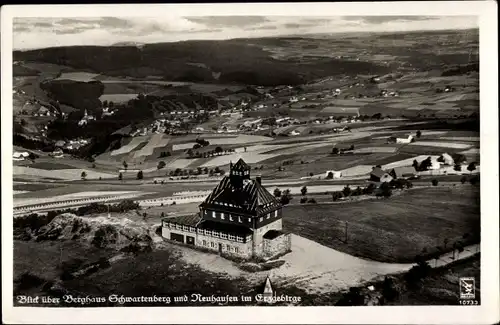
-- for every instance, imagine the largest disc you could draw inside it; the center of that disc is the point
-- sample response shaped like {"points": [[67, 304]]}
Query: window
{"points": [[212, 244], [213, 214], [268, 215], [222, 215], [275, 213], [249, 220], [236, 249], [261, 219], [232, 237], [228, 248], [223, 235], [230, 218], [239, 219], [204, 243]]}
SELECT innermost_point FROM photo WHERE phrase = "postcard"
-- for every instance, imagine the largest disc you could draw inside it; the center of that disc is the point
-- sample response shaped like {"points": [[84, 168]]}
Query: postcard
{"points": [[287, 163]]}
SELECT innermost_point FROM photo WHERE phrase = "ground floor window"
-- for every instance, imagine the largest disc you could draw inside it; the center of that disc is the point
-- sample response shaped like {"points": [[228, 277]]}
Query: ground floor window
{"points": [[204, 243], [228, 248], [236, 249], [212, 244]]}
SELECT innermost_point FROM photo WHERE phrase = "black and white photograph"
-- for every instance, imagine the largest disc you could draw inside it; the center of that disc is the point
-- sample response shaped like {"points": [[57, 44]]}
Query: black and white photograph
{"points": [[249, 159]]}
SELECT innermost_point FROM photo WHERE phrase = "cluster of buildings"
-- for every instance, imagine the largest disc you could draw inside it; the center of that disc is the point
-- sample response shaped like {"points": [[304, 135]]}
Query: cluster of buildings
{"points": [[72, 144], [238, 218], [20, 155]]}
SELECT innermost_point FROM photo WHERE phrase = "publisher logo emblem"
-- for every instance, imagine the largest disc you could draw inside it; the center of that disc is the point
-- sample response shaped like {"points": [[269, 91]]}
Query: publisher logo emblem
{"points": [[467, 288]]}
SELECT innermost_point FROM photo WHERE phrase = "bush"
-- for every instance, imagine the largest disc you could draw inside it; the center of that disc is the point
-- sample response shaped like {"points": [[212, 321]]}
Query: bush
{"points": [[336, 196], [346, 191], [435, 182], [161, 164], [303, 190], [277, 192], [417, 273], [471, 167], [140, 175], [303, 200], [311, 200]]}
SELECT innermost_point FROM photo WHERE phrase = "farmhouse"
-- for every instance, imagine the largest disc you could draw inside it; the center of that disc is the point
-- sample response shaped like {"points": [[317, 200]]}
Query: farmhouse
{"points": [[402, 172], [446, 159], [20, 155], [405, 140], [239, 218], [378, 175], [333, 174]]}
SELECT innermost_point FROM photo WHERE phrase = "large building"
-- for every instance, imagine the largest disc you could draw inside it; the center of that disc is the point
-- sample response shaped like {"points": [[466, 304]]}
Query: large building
{"points": [[239, 218]]}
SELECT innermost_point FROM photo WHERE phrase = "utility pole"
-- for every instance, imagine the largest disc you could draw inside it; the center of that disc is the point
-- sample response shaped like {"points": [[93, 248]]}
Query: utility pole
{"points": [[345, 232]]}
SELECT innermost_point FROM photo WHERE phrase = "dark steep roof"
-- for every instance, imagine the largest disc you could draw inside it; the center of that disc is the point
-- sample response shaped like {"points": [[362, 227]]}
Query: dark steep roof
{"points": [[251, 198], [188, 220], [401, 171]]}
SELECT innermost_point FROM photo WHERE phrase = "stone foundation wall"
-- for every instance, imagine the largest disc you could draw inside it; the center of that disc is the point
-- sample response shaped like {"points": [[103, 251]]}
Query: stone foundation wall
{"points": [[217, 245], [259, 240]]}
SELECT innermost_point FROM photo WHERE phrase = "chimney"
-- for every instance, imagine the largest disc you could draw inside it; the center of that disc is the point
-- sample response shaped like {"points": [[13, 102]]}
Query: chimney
{"points": [[258, 179]]}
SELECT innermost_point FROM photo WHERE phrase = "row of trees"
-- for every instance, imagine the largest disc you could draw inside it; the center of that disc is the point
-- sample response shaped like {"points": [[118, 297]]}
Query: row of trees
{"points": [[218, 151]]}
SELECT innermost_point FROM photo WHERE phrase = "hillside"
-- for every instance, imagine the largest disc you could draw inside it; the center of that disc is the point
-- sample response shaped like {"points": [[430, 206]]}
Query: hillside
{"points": [[236, 61]]}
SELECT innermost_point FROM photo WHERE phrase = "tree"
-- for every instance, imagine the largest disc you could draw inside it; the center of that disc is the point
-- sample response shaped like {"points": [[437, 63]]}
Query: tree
{"points": [[335, 150], [190, 153], [415, 164], [205, 170], [419, 134], [312, 200], [83, 175], [303, 200], [218, 150], [277, 192], [285, 197], [161, 164], [32, 156], [385, 190], [329, 176], [303, 190], [140, 175], [125, 165], [435, 182], [471, 167], [369, 189], [457, 168], [346, 191]]}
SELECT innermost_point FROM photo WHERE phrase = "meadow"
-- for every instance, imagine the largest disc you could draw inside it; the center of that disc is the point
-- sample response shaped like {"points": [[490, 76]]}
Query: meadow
{"points": [[392, 230]]}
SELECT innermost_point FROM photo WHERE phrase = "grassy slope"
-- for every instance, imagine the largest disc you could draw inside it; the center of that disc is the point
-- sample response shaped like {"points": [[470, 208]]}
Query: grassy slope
{"points": [[395, 229]]}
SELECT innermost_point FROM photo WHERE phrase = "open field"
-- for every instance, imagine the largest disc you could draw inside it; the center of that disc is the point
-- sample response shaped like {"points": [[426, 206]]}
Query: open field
{"points": [[134, 143], [63, 174], [51, 165], [117, 98], [395, 229], [78, 76], [156, 141], [451, 145]]}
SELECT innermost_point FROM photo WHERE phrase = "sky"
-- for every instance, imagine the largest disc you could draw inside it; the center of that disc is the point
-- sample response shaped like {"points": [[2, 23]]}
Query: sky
{"points": [[29, 33]]}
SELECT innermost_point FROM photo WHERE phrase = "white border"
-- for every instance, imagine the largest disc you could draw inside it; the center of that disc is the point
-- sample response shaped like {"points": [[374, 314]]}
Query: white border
{"points": [[487, 313]]}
